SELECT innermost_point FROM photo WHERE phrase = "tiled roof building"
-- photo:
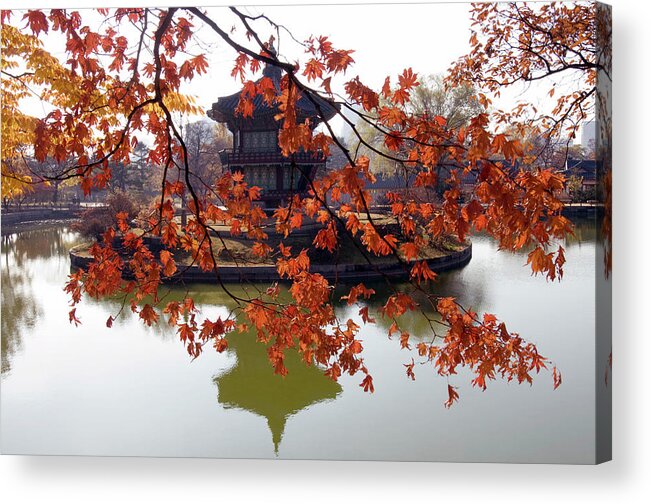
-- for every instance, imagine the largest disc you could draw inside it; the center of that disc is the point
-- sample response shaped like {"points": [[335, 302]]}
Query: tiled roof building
{"points": [[255, 152]]}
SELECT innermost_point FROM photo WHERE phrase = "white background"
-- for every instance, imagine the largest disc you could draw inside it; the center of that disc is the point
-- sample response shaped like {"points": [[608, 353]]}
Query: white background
{"points": [[626, 479]]}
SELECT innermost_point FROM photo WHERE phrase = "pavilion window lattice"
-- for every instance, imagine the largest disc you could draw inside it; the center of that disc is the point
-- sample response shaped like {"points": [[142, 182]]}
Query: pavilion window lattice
{"points": [[261, 176], [260, 141]]}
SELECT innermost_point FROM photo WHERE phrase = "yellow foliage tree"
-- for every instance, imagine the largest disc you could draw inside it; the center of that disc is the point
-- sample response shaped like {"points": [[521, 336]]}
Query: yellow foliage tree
{"points": [[86, 112]]}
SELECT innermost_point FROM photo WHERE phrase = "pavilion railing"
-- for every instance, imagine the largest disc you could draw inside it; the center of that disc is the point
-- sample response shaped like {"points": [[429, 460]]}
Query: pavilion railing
{"points": [[237, 157]]}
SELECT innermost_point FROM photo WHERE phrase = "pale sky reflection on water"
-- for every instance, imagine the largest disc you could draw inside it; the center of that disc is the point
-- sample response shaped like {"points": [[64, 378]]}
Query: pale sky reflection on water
{"points": [[132, 390]]}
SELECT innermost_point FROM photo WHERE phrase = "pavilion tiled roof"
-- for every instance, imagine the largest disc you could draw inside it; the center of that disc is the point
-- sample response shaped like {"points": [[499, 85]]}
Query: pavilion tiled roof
{"points": [[315, 109]]}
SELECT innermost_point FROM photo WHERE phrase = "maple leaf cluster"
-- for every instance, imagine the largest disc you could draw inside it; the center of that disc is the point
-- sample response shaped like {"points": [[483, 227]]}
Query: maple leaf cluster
{"points": [[118, 87]]}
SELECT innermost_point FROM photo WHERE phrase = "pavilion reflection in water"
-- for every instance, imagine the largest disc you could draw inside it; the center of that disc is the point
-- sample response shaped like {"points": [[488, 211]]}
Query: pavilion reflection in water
{"points": [[251, 385]]}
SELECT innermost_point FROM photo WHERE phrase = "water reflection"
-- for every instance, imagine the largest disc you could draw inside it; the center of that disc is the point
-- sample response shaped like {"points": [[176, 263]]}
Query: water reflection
{"points": [[19, 310], [253, 386], [53, 241], [584, 231], [21, 306], [131, 390]]}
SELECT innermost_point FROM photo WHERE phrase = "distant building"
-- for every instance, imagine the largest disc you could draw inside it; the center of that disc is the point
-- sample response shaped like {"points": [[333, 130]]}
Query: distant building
{"points": [[404, 183], [586, 170]]}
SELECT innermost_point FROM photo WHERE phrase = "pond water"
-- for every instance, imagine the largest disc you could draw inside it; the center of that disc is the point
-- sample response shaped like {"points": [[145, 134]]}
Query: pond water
{"points": [[132, 390]]}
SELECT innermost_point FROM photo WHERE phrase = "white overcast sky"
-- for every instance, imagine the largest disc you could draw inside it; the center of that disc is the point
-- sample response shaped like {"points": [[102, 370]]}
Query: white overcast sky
{"points": [[386, 38]]}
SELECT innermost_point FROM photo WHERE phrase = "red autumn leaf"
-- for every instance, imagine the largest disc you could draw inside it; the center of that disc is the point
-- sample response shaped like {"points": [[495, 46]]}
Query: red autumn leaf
{"points": [[410, 250], [410, 370], [367, 384], [556, 374], [356, 347], [408, 79], [404, 340], [148, 315], [36, 21], [169, 265], [363, 312], [313, 69], [200, 63], [452, 396]]}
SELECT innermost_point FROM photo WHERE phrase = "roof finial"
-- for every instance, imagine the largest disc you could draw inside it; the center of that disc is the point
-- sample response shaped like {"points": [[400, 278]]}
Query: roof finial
{"points": [[270, 70], [269, 46]]}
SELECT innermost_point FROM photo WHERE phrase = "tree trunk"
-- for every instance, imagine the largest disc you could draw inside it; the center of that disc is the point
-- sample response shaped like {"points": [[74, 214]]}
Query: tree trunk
{"points": [[184, 213]]}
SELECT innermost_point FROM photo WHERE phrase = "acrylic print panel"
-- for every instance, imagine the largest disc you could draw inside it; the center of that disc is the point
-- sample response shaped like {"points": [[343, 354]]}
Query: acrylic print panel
{"points": [[313, 232]]}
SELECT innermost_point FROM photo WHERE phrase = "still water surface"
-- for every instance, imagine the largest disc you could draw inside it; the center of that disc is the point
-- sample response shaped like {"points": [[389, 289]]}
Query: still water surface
{"points": [[132, 390]]}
